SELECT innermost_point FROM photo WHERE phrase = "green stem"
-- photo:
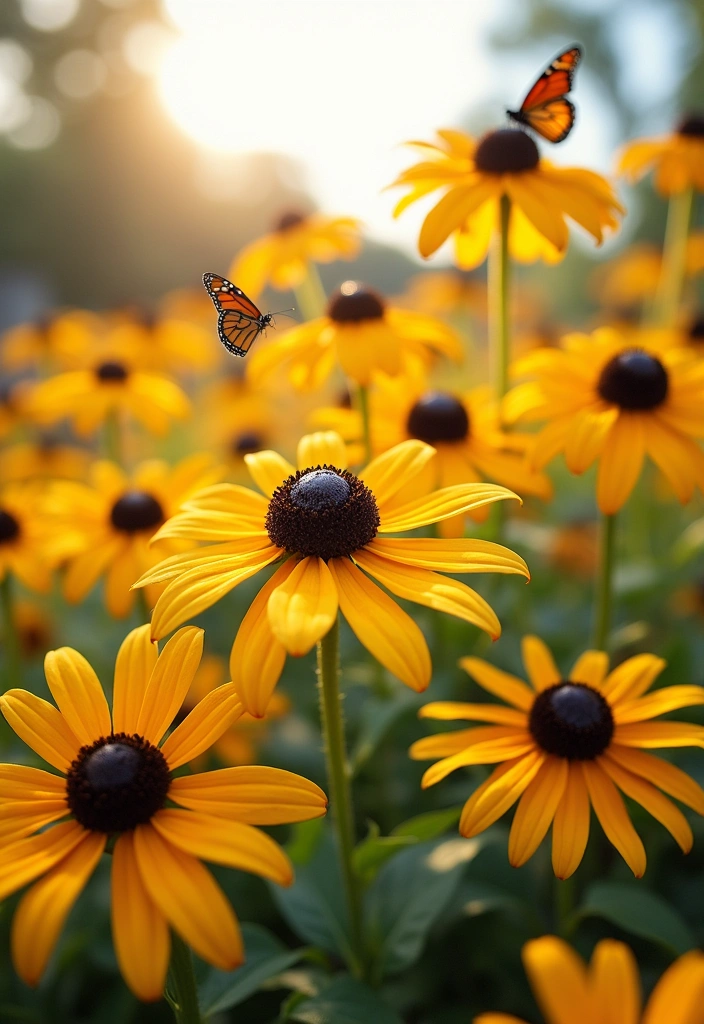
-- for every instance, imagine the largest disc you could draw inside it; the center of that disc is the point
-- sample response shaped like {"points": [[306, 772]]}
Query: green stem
{"points": [[181, 990], [564, 906], [499, 285], [363, 398], [310, 295], [333, 727], [11, 640], [674, 259], [604, 587], [113, 437]]}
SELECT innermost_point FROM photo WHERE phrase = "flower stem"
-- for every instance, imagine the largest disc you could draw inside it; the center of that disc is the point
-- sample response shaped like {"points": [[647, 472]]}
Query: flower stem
{"points": [[113, 437], [564, 906], [499, 284], [181, 990], [604, 586], [13, 654], [363, 399], [333, 727], [674, 258], [310, 294]]}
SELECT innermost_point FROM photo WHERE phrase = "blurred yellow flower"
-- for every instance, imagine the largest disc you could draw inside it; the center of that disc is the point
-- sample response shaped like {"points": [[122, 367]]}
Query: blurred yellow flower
{"points": [[161, 341], [57, 340], [13, 403], [362, 335], [608, 991], [34, 626], [566, 743], [88, 397], [238, 744], [281, 259], [321, 522], [615, 398], [44, 458], [112, 521], [633, 275], [31, 542], [476, 175], [446, 293], [677, 159]]}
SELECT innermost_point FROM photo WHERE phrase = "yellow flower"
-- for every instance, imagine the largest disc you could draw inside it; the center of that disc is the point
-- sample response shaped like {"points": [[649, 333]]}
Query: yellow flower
{"points": [[162, 341], [633, 276], [476, 175], [35, 630], [31, 544], [13, 403], [615, 399], [45, 458], [281, 259], [677, 159], [608, 991], [566, 743], [88, 397], [238, 744], [117, 782], [59, 340], [112, 521], [362, 335], [322, 522], [447, 293]]}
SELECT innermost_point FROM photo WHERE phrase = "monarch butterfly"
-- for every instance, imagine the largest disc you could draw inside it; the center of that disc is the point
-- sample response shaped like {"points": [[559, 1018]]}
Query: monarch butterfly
{"points": [[239, 321], [546, 108]]}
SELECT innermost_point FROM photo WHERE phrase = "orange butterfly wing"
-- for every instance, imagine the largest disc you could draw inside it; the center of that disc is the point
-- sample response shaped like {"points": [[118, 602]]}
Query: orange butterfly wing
{"points": [[227, 295], [546, 109], [552, 120]]}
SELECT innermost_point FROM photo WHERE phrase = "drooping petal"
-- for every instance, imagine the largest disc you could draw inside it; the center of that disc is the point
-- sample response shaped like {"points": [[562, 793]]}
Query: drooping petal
{"points": [[324, 448], [559, 980], [662, 809], [41, 726], [133, 668], [501, 684], [303, 608], [140, 932], [613, 816], [570, 829], [252, 794], [257, 657], [615, 983], [536, 810], [19, 818], [621, 462], [492, 751], [500, 792], [78, 693], [170, 682], [668, 777], [205, 724], [387, 632], [24, 860], [42, 911], [451, 212]]}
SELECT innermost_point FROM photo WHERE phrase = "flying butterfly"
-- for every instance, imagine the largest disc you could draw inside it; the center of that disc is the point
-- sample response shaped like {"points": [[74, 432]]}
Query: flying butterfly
{"points": [[239, 321], [546, 108]]}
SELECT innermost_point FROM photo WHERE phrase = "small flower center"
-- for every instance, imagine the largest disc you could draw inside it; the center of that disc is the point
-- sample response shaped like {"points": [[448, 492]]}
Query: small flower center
{"points": [[696, 330], [506, 151], [136, 510], [288, 220], [634, 380], [691, 124], [571, 720], [438, 416], [112, 372], [246, 443], [323, 512], [9, 527], [353, 303], [117, 783]]}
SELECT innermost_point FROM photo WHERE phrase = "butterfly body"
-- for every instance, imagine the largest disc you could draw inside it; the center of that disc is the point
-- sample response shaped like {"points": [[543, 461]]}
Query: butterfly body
{"points": [[546, 108], [239, 321]]}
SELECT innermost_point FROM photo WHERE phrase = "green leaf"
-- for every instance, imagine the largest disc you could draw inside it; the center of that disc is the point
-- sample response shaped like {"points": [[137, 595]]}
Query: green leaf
{"points": [[345, 1001], [429, 825], [409, 894], [267, 957], [377, 718], [375, 850], [305, 839], [639, 911]]}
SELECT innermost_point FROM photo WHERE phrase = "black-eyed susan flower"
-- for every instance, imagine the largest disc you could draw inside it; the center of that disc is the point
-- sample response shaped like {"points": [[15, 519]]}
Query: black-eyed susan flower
{"points": [[30, 545], [474, 177], [112, 386], [117, 784], [328, 528], [615, 398], [57, 341], [677, 159], [111, 521], [608, 991], [360, 334], [281, 259], [46, 458], [161, 341], [562, 744]]}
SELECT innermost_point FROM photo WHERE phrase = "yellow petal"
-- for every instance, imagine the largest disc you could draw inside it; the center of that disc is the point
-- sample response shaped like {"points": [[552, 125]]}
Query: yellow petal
{"points": [[42, 911], [78, 693], [621, 462], [570, 828], [452, 211], [170, 682], [41, 726], [388, 473], [268, 470], [19, 782], [253, 794], [189, 898], [206, 723], [559, 980], [632, 678], [25, 859], [590, 668], [666, 776], [662, 809], [499, 792], [659, 734], [139, 929], [324, 448], [447, 710], [303, 608], [670, 698], [615, 983], [450, 555], [257, 657], [450, 501], [677, 997], [540, 665], [19, 818], [515, 743], [387, 632], [536, 810], [133, 667], [613, 816], [501, 684]]}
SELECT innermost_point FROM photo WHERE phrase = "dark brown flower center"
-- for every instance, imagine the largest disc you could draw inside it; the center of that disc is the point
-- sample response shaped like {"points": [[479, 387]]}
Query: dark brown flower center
{"points": [[505, 151], [692, 124], [696, 330], [634, 380], [438, 416], [288, 220], [112, 372], [353, 303], [325, 512], [136, 510], [9, 527], [571, 720], [247, 442], [117, 783]]}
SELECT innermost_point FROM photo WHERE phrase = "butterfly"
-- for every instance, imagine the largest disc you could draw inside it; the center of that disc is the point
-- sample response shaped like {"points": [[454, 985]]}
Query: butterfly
{"points": [[239, 321], [546, 108]]}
